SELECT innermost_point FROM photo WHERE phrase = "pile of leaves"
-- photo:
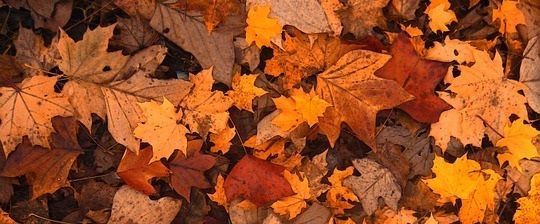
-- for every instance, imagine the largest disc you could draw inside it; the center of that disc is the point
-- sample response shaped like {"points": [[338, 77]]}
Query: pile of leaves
{"points": [[270, 111]]}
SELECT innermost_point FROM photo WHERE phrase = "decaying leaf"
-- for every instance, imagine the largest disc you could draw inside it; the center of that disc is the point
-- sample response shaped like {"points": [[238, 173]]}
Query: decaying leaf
{"points": [[359, 17], [356, 95], [509, 16], [138, 170], [219, 196], [376, 181], [340, 196], [214, 12], [529, 209], [529, 73], [244, 91], [188, 172], [293, 205], [131, 206]]}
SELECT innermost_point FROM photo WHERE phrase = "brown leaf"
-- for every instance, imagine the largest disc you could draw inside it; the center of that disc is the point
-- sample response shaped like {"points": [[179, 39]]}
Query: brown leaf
{"points": [[214, 12], [50, 19], [96, 195], [189, 172], [142, 8], [134, 34], [418, 196], [359, 16], [32, 53], [46, 169], [419, 77], [214, 49], [257, 180], [136, 171]]}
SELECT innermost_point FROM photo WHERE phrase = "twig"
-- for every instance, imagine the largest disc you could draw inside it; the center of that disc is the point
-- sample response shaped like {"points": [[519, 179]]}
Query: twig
{"points": [[91, 177]]}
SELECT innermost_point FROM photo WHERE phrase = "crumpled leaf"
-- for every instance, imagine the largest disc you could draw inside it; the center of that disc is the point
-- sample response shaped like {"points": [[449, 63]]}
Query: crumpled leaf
{"points": [[530, 73], [417, 76], [244, 90], [483, 101], [359, 17], [188, 172], [138, 170], [130, 205], [257, 180], [529, 209], [518, 139], [293, 205], [213, 49], [357, 95], [261, 28], [162, 129], [339, 195], [27, 109], [46, 169], [306, 15]]}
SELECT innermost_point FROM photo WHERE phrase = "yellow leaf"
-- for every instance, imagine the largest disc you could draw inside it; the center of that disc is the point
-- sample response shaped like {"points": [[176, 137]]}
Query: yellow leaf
{"points": [[481, 200], [509, 15], [222, 140], [518, 138], [440, 15], [339, 195], [219, 196], [27, 109], [162, 129], [529, 207], [261, 28], [293, 205], [244, 90], [266, 149], [300, 107]]}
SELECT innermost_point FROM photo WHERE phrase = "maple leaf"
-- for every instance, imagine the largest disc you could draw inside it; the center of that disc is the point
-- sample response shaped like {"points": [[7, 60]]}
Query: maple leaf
{"points": [[530, 73], [130, 205], [300, 107], [205, 110], [222, 140], [509, 16], [518, 138], [376, 181], [27, 109], [257, 180], [293, 205], [464, 179], [261, 28], [134, 34], [32, 53], [314, 170], [359, 17], [482, 96], [301, 57], [451, 50], [440, 15], [137, 170], [339, 195], [419, 77], [162, 129], [274, 146], [188, 172], [529, 209], [244, 90], [219, 196], [46, 169], [214, 12], [357, 95]]}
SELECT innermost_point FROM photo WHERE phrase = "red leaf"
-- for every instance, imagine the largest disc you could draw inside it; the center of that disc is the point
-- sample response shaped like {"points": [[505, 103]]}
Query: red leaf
{"points": [[258, 180], [189, 172], [419, 77], [136, 171]]}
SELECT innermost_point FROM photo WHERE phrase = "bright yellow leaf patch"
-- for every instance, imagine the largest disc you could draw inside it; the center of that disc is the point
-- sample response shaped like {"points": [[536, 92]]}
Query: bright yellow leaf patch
{"points": [[518, 139], [261, 28]]}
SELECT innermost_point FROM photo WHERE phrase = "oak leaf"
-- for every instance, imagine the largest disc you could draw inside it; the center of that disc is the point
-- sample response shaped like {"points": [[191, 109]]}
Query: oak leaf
{"points": [[27, 109], [293, 205], [257, 180], [482, 98], [338, 196], [137, 170], [188, 172], [130, 205], [244, 91], [356, 95], [46, 169], [162, 129], [529, 209], [518, 139], [419, 77], [261, 29], [376, 181]]}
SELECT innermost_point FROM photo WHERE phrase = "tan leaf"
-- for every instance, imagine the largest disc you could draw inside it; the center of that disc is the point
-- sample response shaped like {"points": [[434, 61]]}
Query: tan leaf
{"points": [[530, 73], [222, 140], [134, 34], [359, 17]]}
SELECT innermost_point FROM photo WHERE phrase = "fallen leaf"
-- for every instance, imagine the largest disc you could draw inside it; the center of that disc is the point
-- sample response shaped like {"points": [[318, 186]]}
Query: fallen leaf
{"points": [[222, 140], [376, 181], [483, 101], [218, 50], [188, 172], [131, 206], [338, 196], [162, 129], [451, 50], [306, 15], [4, 218], [214, 12], [357, 95], [518, 139], [244, 91], [389, 216], [315, 214], [46, 169], [359, 17], [257, 180], [529, 73], [404, 8], [417, 76], [245, 212], [142, 8], [134, 34], [261, 28], [528, 210], [440, 15], [293, 205], [509, 16], [219, 196], [27, 109], [138, 170], [32, 53]]}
